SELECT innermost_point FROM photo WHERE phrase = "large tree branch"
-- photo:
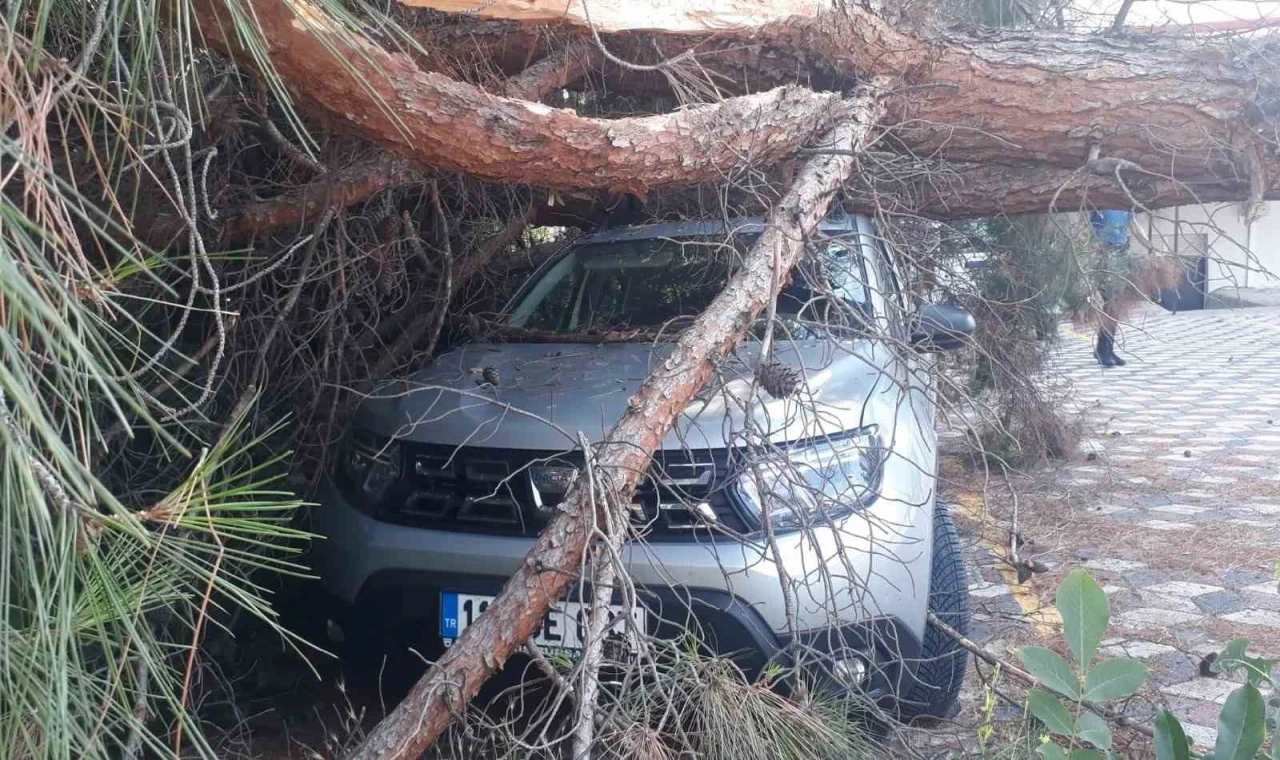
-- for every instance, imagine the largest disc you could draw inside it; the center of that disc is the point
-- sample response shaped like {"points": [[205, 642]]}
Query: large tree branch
{"points": [[438, 122], [557, 70], [1018, 102], [681, 15], [943, 190], [623, 457], [1174, 105]]}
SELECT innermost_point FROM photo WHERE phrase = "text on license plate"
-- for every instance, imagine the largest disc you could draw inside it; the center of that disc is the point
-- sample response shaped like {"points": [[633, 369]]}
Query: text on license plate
{"points": [[563, 627]]}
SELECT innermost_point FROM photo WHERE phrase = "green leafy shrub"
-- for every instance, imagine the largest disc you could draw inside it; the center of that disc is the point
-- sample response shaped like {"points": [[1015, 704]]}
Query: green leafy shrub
{"points": [[1070, 702]]}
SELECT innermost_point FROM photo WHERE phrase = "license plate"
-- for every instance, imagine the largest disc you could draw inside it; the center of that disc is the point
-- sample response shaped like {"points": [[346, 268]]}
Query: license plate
{"points": [[563, 627]]}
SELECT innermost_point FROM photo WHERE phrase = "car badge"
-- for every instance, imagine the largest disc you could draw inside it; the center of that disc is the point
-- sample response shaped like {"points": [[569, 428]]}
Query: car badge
{"points": [[548, 481]]}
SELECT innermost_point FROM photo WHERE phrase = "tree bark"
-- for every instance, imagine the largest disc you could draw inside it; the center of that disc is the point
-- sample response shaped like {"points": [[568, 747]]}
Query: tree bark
{"points": [[438, 122], [557, 70], [622, 457], [1017, 96], [618, 15], [958, 191], [1191, 111]]}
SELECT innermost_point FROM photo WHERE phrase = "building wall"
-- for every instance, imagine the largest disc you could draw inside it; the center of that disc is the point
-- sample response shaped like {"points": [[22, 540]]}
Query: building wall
{"points": [[1240, 255]]}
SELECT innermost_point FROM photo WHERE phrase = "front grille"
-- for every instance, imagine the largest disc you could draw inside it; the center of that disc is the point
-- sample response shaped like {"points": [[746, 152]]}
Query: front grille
{"points": [[515, 492]]}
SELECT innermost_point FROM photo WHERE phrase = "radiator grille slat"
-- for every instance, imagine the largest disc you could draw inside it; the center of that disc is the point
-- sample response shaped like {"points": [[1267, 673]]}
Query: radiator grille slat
{"points": [[516, 492]]}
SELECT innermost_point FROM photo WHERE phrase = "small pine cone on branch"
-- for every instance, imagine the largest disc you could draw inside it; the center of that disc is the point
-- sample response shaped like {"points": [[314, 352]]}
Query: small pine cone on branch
{"points": [[779, 380], [389, 228]]}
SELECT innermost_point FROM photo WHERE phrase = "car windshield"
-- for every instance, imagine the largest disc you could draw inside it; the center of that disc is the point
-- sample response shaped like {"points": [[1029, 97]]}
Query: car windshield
{"points": [[645, 284]]}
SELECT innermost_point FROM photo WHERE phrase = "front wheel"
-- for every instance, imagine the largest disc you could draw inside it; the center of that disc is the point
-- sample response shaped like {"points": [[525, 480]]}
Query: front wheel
{"points": [[935, 689]]}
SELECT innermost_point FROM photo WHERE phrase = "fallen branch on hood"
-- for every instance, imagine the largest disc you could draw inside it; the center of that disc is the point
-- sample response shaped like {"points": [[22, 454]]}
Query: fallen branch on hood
{"points": [[622, 458]]}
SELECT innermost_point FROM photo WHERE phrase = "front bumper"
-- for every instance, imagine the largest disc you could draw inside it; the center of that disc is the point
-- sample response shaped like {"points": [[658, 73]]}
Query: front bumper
{"points": [[728, 593]]}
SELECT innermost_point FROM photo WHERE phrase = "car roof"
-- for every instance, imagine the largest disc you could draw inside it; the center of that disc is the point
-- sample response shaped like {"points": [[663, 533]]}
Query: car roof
{"points": [[702, 227]]}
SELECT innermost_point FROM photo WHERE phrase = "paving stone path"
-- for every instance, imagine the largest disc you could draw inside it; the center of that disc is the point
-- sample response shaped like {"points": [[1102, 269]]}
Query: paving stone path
{"points": [[1174, 505]]}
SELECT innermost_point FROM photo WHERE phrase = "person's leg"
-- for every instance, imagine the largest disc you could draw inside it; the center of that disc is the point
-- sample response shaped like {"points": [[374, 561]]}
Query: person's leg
{"points": [[1116, 298], [1109, 324], [1103, 351]]}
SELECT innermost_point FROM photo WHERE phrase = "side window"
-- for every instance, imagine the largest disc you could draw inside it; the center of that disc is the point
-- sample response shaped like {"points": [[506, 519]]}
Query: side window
{"points": [[893, 295], [889, 286], [831, 286], [847, 274], [889, 275]]}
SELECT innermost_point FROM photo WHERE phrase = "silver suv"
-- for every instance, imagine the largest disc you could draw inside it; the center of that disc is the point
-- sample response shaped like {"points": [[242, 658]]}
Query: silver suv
{"points": [[799, 528]]}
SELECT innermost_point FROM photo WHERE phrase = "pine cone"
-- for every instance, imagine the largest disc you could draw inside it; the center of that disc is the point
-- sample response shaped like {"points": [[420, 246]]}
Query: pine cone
{"points": [[489, 375], [778, 379], [388, 228]]}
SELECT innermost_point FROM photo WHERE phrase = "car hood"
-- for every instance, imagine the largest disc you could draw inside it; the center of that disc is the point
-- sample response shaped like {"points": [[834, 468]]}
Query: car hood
{"points": [[546, 394]]}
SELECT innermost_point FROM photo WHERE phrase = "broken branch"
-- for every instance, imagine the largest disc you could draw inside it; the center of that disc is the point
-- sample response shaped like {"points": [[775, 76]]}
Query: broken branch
{"points": [[557, 70], [438, 122], [553, 561], [978, 651]]}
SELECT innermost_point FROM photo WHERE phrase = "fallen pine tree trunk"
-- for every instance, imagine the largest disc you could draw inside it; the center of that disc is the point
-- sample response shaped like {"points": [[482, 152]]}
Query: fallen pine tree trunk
{"points": [[1043, 96], [1200, 114], [623, 456], [363, 89], [690, 15]]}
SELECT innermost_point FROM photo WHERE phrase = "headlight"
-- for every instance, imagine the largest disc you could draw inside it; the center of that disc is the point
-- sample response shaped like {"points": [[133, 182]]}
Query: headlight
{"points": [[813, 483], [368, 467]]}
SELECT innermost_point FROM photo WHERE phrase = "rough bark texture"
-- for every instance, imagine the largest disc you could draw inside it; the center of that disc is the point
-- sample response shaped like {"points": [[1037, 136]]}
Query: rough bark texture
{"points": [[557, 70], [957, 191], [616, 15], [1187, 110], [438, 122], [1164, 101], [623, 457]]}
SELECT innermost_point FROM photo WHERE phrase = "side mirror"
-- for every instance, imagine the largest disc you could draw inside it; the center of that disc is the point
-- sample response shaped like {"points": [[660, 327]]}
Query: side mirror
{"points": [[941, 327]]}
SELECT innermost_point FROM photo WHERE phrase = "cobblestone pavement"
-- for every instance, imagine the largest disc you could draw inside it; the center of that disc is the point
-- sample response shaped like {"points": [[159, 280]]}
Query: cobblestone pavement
{"points": [[1173, 504]]}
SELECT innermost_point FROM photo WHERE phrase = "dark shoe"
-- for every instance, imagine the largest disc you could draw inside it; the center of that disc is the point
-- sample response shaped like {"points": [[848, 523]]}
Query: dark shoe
{"points": [[1116, 360], [1103, 353]]}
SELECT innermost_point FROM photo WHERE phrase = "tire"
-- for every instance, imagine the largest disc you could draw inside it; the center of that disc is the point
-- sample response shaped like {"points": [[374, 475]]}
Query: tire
{"points": [[935, 689]]}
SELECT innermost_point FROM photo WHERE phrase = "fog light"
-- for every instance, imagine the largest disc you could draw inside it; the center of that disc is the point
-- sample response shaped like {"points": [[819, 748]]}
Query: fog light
{"points": [[851, 672]]}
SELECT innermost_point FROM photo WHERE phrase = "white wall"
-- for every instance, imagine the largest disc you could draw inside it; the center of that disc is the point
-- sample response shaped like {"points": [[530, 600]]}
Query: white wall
{"points": [[1240, 255]]}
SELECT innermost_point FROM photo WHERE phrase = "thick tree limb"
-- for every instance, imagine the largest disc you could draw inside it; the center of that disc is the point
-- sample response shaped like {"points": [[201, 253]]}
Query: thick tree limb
{"points": [[1169, 104], [957, 191], [678, 15], [557, 70], [621, 458], [438, 122]]}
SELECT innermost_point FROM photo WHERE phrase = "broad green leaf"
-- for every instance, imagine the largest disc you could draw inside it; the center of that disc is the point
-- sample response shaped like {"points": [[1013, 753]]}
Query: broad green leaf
{"points": [[1085, 615], [1051, 751], [1241, 728], [1171, 740], [1050, 711], [1229, 657], [1051, 669], [1234, 658], [1275, 734], [1093, 729], [1085, 754], [1113, 679]]}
